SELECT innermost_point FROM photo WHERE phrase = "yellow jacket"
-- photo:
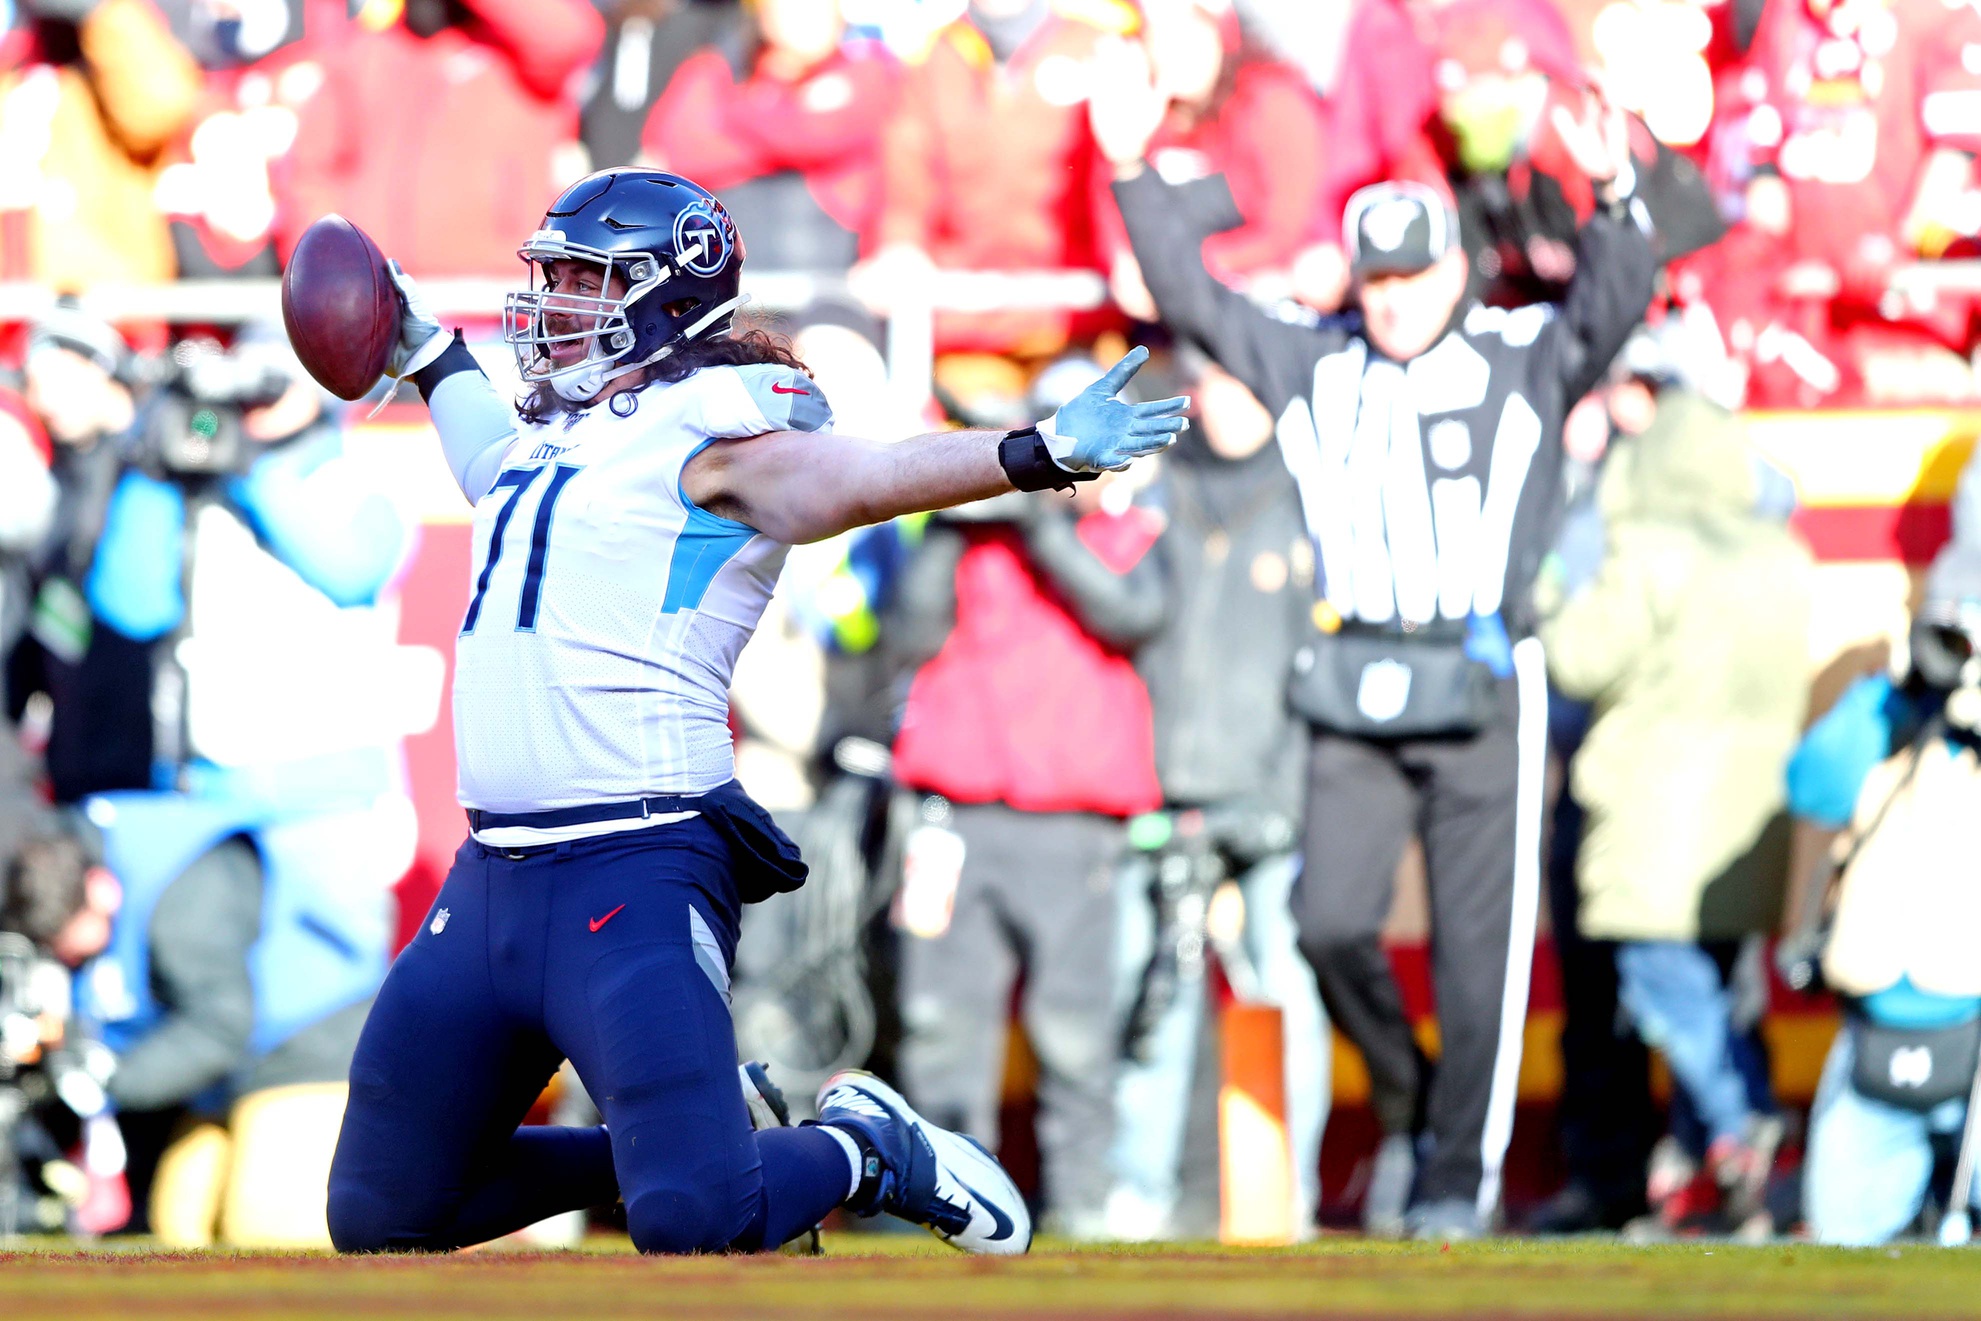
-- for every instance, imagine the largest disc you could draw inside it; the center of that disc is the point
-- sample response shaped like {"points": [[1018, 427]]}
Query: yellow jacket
{"points": [[1693, 646], [83, 147]]}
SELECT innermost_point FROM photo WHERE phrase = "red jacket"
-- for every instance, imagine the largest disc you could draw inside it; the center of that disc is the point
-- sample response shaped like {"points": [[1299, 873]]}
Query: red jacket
{"points": [[220, 182], [444, 148], [989, 167], [1849, 120], [827, 127], [1379, 125], [1022, 706], [1268, 141], [18, 418]]}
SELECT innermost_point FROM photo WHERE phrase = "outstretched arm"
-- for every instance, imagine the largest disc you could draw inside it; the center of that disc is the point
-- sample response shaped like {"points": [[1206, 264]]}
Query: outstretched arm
{"points": [[799, 486]]}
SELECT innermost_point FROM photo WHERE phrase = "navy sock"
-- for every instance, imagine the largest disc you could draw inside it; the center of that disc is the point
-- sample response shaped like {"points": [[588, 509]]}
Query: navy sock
{"points": [[805, 1177]]}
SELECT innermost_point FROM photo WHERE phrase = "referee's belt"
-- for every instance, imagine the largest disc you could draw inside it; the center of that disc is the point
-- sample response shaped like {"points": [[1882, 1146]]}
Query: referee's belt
{"points": [[589, 814]]}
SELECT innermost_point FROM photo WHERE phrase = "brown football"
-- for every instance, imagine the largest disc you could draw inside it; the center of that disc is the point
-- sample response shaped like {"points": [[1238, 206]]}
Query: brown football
{"points": [[340, 307]]}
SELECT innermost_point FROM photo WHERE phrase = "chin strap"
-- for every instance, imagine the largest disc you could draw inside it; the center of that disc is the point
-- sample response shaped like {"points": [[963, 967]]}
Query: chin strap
{"points": [[581, 387]]}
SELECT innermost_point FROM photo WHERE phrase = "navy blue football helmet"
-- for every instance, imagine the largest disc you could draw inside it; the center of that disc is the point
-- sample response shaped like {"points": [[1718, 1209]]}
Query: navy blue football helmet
{"points": [[669, 245]]}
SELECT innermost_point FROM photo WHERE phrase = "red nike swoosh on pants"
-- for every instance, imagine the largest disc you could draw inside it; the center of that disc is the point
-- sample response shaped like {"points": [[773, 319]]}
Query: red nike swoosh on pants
{"points": [[598, 922]]}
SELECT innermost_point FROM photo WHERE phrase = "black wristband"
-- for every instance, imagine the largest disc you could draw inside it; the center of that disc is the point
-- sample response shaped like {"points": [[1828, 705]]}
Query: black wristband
{"points": [[1028, 463], [455, 358]]}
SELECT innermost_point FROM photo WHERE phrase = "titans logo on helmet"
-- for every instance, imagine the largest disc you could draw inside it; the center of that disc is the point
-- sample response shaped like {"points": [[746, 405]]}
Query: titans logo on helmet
{"points": [[701, 239]]}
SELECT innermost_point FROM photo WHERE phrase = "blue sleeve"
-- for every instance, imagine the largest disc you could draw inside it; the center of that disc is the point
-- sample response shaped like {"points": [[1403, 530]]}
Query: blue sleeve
{"points": [[344, 540], [134, 581], [1838, 753]]}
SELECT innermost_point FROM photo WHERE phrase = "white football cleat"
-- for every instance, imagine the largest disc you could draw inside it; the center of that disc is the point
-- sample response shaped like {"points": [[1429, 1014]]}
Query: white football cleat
{"points": [[928, 1174], [768, 1109]]}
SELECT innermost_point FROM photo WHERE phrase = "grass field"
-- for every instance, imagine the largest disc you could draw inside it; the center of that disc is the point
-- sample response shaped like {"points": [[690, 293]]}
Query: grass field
{"points": [[862, 1276]]}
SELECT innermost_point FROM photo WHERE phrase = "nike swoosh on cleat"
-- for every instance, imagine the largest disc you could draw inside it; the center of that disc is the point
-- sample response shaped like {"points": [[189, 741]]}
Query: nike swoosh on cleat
{"points": [[598, 922], [1000, 1221]]}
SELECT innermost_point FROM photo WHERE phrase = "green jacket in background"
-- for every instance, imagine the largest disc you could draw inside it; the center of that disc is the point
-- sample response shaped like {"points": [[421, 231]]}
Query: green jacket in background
{"points": [[1693, 647]]}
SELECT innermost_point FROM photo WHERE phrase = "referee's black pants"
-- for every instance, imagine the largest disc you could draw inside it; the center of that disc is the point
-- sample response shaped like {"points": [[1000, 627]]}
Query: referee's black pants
{"points": [[1475, 801]]}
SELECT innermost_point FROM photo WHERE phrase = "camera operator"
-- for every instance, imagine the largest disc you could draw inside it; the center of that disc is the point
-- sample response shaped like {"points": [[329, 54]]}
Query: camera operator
{"points": [[79, 388], [1426, 439], [242, 553], [1896, 766], [1238, 574], [175, 969], [61, 1154]]}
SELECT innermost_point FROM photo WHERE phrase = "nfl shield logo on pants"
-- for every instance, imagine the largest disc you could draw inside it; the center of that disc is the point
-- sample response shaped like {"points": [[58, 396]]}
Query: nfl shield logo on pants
{"points": [[1384, 691]]}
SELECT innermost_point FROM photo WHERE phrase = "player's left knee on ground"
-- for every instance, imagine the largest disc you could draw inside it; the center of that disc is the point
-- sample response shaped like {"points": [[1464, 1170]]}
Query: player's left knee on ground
{"points": [[359, 1221]]}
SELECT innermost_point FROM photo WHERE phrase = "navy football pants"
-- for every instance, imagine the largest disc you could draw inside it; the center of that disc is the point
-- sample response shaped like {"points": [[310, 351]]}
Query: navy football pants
{"points": [[587, 950]]}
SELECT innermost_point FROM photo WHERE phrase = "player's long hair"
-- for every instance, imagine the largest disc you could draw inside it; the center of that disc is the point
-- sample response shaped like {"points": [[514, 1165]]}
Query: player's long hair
{"points": [[743, 346]]}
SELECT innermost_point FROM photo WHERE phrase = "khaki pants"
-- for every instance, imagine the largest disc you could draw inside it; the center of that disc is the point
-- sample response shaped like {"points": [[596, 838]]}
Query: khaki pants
{"points": [[259, 1181]]}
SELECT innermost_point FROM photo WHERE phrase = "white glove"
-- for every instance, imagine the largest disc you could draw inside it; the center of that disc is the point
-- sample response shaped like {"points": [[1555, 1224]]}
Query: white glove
{"points": [[421, 338]]}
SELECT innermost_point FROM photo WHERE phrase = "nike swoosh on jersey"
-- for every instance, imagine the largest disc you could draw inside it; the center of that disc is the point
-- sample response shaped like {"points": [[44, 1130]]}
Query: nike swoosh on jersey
{"points": [[775, 388], [598, 922]]}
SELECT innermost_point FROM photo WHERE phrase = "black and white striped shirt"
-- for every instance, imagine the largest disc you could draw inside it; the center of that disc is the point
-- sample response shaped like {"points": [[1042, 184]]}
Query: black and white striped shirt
{"points": [[1431, 488]]}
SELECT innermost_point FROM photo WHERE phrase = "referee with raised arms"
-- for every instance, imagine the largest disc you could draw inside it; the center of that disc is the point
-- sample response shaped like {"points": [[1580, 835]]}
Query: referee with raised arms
{"points": [[1425, 435]]}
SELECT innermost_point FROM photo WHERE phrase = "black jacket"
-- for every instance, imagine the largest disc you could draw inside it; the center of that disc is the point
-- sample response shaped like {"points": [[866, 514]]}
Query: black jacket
{"points": [[1431, 488], [1238, 577]]}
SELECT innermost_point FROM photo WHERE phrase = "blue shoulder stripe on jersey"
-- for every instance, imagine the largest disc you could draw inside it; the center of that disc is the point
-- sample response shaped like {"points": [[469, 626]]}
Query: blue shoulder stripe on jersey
{"points": [[706, 543]]}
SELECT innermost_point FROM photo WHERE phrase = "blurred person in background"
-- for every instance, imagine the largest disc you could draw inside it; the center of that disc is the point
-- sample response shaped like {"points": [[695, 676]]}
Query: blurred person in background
{"points": [[1606, 1119], [229, 998], [1895, 766], [646, 42], [1426, 437], [241, 558], [1308, 34], [470, 104], [1848, 148], [222, 184], [27, 509], [1690, 644], [92, 92], [1234, 112], [1382, 98], [783, 122], [80, 387], [1009, 870], [1462, 97], [1238, 575], [62, 1158], [988, 165]]}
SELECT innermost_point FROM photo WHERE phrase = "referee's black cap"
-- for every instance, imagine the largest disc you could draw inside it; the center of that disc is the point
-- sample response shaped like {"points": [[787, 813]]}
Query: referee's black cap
{"points": [[1397, 228]]}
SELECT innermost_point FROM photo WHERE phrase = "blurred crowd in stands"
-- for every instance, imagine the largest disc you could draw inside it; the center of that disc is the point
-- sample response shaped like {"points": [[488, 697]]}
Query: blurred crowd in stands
{"points": [[207, 803]]}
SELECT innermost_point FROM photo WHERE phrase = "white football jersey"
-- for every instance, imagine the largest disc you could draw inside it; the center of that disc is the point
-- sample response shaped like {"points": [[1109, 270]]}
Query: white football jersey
{"points": [[607, 610]]}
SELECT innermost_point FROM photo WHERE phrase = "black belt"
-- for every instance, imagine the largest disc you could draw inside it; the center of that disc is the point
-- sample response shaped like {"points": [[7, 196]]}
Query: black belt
{"points": [[1447, 631], [589, 814]]}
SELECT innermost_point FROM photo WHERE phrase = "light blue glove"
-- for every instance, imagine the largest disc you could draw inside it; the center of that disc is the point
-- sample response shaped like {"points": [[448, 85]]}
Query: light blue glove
{"points": [[1095, 432], [421, 338]]}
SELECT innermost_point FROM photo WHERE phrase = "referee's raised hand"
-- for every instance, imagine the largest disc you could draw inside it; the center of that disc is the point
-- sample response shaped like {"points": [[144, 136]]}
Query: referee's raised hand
{"points": [[1096, 432]]}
